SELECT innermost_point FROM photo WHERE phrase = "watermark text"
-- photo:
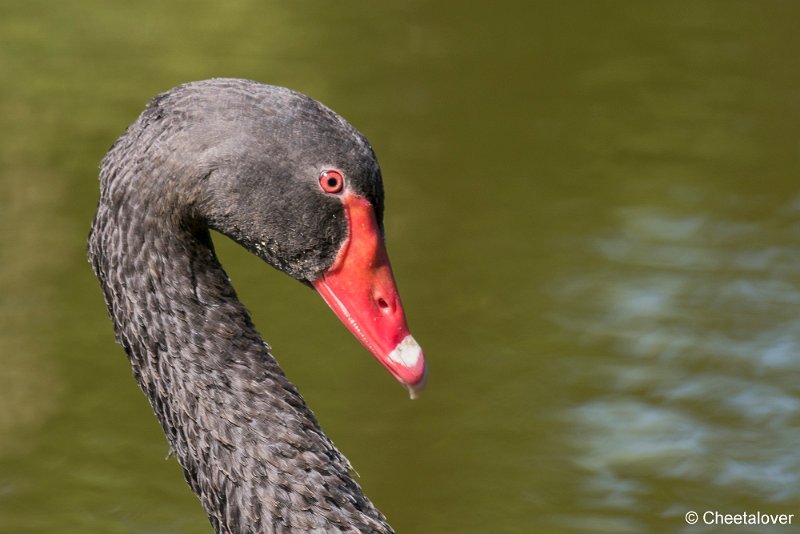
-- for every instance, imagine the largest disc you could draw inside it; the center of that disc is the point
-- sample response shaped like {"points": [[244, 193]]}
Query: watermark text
{"points": [[713, 517]]}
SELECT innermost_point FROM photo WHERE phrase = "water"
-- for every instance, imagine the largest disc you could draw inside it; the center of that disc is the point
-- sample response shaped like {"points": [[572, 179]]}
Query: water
{"points": [[593, 218]]}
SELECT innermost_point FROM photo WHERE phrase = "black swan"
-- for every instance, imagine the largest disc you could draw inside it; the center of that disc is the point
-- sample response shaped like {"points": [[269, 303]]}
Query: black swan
{"points": [[294, 183]]}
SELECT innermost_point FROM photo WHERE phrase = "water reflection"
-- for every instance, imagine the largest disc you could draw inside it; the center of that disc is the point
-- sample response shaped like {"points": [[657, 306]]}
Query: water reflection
{"points": [[694, 400]]}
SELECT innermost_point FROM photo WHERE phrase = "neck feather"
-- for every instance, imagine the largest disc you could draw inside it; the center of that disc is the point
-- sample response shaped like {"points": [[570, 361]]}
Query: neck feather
{"points": [[249, 446]]}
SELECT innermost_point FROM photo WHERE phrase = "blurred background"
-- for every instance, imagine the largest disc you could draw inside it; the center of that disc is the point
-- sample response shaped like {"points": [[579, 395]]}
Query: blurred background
{"points": [[593, 212]]}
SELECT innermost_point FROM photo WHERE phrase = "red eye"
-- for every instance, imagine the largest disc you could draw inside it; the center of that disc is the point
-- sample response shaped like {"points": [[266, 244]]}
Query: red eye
{"points": [[331, 181]]}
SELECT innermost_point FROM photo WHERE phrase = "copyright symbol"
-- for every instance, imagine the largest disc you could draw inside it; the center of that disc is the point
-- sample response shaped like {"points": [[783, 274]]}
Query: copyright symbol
{"points": [[691, 517]]}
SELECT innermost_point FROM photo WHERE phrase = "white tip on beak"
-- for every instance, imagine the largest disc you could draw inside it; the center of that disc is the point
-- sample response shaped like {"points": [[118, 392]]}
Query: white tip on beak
{"points": [[407, 352]]}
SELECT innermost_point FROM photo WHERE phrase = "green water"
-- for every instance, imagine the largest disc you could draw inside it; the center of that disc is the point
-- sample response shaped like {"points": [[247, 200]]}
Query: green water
{"points": [[594, 217]]}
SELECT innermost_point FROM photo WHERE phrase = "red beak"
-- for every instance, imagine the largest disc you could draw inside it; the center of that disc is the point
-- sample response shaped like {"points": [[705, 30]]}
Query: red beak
{"points": [[360, 288]]}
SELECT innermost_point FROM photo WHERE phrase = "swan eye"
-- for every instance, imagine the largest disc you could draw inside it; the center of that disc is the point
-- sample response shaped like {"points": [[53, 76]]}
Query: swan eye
{"points": [[331, 181]]}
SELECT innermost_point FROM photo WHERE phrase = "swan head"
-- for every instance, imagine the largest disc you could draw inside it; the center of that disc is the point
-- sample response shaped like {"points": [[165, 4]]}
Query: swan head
{"points": [[298, 186]]}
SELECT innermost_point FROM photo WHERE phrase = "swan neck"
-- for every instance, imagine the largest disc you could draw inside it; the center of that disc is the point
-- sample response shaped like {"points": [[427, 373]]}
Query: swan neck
{"points": [[249, 446]]}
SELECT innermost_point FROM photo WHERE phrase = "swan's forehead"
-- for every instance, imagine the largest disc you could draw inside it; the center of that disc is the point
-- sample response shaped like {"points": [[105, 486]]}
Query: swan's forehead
{"points": [[260, 133]]}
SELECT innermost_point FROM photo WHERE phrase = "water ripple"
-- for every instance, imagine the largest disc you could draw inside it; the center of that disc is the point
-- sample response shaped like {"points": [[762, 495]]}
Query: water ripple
{"points": [[691, 343]]}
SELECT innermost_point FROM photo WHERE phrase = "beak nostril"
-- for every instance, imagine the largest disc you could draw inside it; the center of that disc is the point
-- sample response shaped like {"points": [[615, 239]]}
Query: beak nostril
{"points": [[382, 304]]}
